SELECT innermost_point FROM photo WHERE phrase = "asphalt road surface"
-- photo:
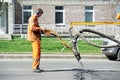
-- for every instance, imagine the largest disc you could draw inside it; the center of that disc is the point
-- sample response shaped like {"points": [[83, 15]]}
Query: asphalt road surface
{"points": [[60, 69]]}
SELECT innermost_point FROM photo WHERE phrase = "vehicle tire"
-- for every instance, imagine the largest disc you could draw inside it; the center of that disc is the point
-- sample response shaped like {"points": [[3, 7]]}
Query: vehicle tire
{"points": [[111, 57], [118, 55]]}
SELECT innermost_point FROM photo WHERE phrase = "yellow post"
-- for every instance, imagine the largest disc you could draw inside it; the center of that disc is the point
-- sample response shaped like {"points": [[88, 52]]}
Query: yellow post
{"points": [[118, 16], [94, 23]]}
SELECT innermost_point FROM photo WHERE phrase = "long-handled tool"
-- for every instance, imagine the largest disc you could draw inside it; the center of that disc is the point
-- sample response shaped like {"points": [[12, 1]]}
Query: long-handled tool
{"points": [[73, 48]]}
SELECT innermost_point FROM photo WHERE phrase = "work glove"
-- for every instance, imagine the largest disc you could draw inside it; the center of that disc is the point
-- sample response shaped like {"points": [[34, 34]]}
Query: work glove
{"points": [[46, 32]]}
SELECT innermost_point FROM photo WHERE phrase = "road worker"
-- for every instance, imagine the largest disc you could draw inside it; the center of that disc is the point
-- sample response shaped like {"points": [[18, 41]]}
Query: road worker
{"points": [[34, 35]]}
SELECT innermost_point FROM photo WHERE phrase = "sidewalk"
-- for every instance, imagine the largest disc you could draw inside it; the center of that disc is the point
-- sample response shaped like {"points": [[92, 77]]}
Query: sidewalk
{"points": [[48, 56]]}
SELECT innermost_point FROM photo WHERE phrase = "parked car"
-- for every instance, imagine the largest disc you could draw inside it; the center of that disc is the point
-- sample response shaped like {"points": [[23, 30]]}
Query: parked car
{"points": [[112, 53]]}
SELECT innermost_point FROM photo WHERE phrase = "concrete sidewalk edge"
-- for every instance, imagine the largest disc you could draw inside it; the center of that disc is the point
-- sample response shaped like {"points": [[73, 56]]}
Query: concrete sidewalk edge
{"points": [[49, 56]]}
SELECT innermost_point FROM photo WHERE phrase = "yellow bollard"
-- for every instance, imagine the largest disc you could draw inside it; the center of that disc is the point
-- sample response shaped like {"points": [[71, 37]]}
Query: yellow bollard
{"points": [[118, 16]]}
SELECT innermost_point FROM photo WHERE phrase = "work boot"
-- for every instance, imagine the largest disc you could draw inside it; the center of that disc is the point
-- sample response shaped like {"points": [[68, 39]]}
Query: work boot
{"points": [[38, 70]]}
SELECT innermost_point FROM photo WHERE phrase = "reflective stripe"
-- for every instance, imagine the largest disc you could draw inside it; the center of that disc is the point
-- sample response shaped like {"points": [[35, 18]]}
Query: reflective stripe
{"points": [[37, 59]]}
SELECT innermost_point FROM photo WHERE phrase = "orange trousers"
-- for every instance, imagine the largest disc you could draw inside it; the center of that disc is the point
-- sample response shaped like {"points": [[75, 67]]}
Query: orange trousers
{"points": [[36, 55]]}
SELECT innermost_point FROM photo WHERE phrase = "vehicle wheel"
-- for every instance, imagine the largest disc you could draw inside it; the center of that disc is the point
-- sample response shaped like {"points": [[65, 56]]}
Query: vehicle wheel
{"points": [[111, 57], [118, 55]]}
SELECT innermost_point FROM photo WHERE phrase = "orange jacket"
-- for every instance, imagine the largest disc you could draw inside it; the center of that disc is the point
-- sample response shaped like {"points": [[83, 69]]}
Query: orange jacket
{"points": [[33, 29]]}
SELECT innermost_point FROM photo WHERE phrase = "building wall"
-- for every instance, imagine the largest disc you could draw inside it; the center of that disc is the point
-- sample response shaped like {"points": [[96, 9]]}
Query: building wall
{"points": [[105, 13], [74, 9], [18, 12], [48, 16], [103, 10], [74, 14]]}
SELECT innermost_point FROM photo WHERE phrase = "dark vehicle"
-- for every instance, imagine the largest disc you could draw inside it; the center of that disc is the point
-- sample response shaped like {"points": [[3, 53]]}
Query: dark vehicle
{"points": [[111, 53]]}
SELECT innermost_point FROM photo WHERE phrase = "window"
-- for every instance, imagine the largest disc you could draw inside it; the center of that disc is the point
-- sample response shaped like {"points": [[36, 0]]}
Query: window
{"points": [[59, 15], [89, 14], [27, 11]]}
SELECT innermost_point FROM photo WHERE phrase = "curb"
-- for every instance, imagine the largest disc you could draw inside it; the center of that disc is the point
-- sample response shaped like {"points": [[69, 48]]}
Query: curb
{"points": [[49, 56]]}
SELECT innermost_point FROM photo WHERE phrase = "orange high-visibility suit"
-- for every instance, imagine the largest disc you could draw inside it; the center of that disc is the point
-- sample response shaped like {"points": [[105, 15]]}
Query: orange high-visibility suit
{"points": [[34, 36]]}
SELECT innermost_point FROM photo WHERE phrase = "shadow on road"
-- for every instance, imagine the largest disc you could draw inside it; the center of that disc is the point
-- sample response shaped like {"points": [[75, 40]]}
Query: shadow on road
{"points": [[58, 70], [91, 74], [83, 70]]}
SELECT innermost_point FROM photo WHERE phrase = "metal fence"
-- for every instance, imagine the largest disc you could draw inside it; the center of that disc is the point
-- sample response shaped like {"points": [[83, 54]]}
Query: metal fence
{"points": [[108, 29], [19, 29], [22, 28]]}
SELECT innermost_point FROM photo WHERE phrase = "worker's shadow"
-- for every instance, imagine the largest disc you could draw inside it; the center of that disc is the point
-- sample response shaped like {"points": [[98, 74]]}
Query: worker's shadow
{"points": [[59, 70], [76, 76], [83, 74], [81, 70], [74, 69]]}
